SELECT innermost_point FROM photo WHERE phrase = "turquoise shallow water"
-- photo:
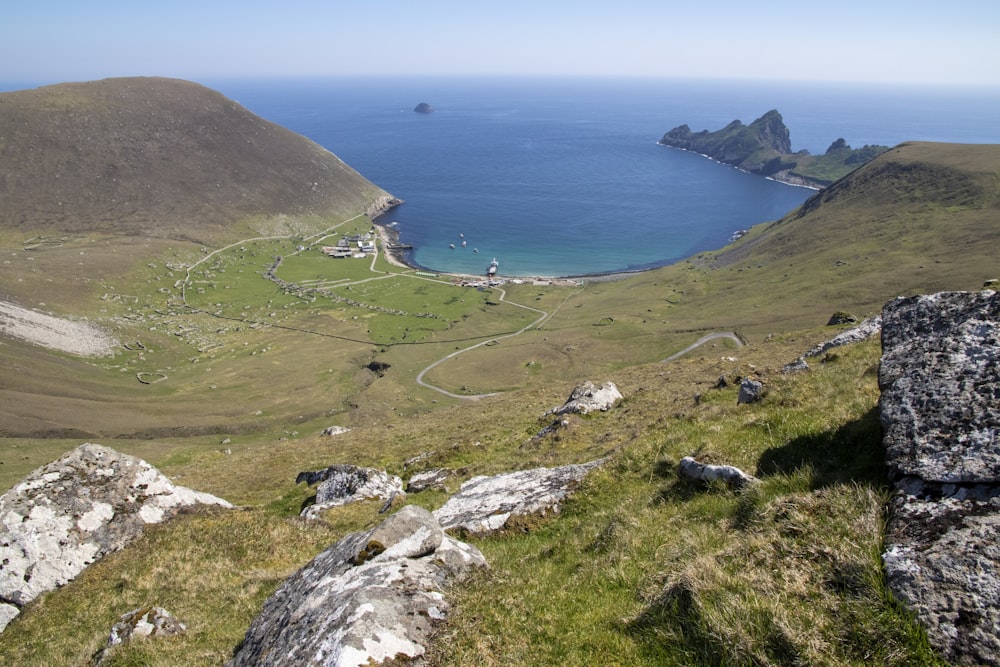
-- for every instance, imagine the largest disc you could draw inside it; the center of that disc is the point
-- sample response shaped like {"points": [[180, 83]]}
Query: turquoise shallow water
{"points": [[564, 177]]}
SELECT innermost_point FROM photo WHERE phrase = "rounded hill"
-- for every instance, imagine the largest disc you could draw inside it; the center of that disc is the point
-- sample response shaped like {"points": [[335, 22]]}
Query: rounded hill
{"points": [[159, 157]]}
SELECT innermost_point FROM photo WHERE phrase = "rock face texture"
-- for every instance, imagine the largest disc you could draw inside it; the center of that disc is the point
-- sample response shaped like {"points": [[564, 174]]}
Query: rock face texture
{"points": [[341, 484], [940, 380], [486, 504], [588, 397], [371, 597], [71, 512]]}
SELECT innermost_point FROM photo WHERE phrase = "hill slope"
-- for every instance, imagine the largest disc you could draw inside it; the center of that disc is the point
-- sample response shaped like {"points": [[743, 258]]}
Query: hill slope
{"points": [[157, 157]]}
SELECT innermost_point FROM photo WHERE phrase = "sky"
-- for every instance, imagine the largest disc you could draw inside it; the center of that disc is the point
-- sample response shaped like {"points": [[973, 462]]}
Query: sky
{"points": [[891, 41]]}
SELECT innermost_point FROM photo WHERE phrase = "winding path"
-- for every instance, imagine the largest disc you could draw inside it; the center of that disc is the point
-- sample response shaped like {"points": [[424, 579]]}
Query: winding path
{"points": [[705, 339]]}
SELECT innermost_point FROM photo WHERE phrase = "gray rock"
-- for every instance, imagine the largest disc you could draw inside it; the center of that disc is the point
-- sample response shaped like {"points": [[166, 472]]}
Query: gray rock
{"points": [[140, 624], [373, 596], [751, 391], [343, 484], [71, 512], [706, 472], [588, 397], [940, 380], [486, 504], [335, 430]]}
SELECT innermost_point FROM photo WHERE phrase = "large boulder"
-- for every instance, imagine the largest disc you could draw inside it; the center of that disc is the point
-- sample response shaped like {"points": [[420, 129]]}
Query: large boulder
{"points": [[373, 596], [73, 511], [588, 397], [940, 381], [486, 504]]}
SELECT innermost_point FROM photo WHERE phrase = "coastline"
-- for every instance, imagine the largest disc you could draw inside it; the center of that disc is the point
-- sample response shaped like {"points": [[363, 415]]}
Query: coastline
{"points": [[396, 256]]}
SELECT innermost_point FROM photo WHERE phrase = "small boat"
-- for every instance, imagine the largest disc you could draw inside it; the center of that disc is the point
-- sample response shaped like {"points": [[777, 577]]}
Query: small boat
{"points": [[463, 244], [451, 245], [475, 250], [494, 266], [461, 236]]}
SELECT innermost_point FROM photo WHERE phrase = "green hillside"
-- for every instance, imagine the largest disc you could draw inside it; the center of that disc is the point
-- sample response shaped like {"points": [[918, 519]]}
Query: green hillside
{"points": [[640, 568]]}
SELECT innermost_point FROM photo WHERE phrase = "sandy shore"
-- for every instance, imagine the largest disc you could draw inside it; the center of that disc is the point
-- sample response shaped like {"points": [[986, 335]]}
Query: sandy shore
{"points": [[80, 338]]}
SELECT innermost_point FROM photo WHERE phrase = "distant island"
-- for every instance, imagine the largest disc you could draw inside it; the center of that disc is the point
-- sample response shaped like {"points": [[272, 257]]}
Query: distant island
{"points": [[764, 147], [423, 107]]}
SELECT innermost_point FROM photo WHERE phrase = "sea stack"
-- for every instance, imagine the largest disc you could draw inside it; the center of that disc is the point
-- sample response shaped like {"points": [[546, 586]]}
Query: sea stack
{"points": [[423, 107]]}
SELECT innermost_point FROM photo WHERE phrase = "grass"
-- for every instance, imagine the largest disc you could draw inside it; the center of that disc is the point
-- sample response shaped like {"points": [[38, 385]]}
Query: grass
{"points": [[640, 568]]}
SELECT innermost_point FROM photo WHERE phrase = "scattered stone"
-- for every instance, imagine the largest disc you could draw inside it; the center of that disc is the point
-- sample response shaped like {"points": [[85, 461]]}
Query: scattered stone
{"points": [[429, 479], [721, 383], [796, 366], [371, 597], [940, 381], [140, 623], [335, 430], [487, 504], [706, 472], [71, 512], [342, 484], [588, 397], [840, 317], [751, 391]]}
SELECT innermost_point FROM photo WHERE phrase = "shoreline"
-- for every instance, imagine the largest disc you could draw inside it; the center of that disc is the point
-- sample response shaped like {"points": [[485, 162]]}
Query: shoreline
{"points": [[397, 257]]}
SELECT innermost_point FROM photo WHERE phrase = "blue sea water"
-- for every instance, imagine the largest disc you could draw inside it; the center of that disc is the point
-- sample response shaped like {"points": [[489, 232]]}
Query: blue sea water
{"points": [[558, 177]]}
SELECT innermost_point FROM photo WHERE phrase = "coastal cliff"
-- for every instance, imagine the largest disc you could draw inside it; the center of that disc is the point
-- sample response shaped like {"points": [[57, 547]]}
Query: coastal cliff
{"points": [[764, 147]]}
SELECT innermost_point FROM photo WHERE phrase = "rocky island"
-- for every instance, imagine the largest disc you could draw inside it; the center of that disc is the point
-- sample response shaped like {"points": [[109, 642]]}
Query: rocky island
{"points": [[764, 147], [423, 107]]}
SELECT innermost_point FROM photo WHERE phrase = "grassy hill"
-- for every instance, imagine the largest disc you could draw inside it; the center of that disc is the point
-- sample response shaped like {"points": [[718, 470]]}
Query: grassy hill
{"points": [[641, 568]]}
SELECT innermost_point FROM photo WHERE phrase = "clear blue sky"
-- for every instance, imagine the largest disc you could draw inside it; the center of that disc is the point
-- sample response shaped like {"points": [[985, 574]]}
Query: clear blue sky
{"points": [[903, 41]]}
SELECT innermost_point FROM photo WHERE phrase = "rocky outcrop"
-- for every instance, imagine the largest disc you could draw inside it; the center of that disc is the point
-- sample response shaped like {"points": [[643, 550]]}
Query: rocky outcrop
{"points": [[342, 484], [587, 398], [423, 107], [372, 597], [487, 504], [67, 514], [940, 381]]}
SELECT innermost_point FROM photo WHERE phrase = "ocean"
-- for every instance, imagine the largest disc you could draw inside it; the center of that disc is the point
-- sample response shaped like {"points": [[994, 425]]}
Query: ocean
{"points": [[563, 177]]}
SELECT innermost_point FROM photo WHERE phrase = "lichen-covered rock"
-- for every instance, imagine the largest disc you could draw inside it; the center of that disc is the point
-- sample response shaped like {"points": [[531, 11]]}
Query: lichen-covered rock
{"points": [[940, 380], [373, 596], [486, 504], [588, 397], [342, 484], [140, 624], [71, 512], [751, 391], [335, 430]]}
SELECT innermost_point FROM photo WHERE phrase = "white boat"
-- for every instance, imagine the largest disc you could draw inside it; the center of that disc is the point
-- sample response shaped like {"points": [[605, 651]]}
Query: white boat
{"points": [[494, 266], [451, 245]]}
